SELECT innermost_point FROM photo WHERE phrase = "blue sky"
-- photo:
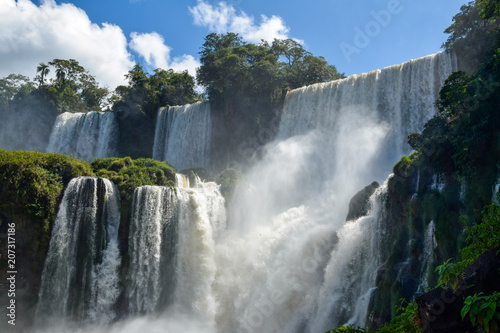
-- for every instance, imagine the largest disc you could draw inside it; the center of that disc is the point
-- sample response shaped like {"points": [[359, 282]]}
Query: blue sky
{"points": [[109, 36]]}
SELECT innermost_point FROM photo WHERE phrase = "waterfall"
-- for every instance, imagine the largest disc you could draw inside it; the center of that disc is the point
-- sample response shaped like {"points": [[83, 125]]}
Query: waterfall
{"points": [[334, 139], [427, 255], [438, 183], [286, 261], [171, 242], [398, 100], [85, 135], [182, 136], [80, 278], [151, 247]]}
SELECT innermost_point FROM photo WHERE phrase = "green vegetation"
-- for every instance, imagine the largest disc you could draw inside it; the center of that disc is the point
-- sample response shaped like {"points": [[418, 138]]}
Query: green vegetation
{"points": [[483, 312], [481, 238], [348, 329], [129, 174], [22, 101], [473, 32], [33, 182], [31, 185], [461, 145], [73, 89], [406, 321], [136, 105], [246, 83]]}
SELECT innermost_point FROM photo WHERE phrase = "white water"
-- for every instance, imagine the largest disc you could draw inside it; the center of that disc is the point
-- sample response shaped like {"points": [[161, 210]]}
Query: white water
{"points": [[427, 256], [76, 284], [287, 261], [85, 135], [438, 182], [175, 228], [182, 136], [334, 139]]}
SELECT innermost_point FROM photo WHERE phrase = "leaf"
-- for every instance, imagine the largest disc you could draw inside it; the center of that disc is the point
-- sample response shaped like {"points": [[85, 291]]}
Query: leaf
{"points": [[484, 306], [491, 311], [465, 310]]}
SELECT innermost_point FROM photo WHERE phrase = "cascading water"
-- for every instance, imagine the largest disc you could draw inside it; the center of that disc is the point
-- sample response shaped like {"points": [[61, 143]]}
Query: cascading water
{"points": [[85, 135], [287, 260], [80, 279], [171, 242], [334, 139], [182, 136], [426, 258]]}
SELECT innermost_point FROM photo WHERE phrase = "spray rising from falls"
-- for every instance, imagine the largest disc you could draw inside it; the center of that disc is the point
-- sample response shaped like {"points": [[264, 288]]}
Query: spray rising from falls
{"points": [[287, 260], [182, 136], [85, 135], [80, 278], [334, 139]]}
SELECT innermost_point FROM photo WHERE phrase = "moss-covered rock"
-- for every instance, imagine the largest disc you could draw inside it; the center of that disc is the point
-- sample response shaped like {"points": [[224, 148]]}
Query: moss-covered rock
{"points": [[227, 180], [358, 206], [128, 174], [31, 186]]}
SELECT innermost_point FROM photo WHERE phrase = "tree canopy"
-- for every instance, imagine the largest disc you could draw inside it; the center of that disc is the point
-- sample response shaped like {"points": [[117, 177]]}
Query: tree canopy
{"points": [[230, 65], [137, 104], [246, 83], [474, 30], [145, 92]]}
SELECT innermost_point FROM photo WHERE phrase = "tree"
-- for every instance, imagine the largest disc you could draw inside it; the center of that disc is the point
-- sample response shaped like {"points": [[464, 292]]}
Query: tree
{"points": [[44, 70], [473, 32], [137, 104], [14, 87], [490, 9], [73, 90], [246, 84]]}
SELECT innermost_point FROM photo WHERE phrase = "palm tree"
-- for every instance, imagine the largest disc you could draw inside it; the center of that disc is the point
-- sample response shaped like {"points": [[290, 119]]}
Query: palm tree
{"points": [[44, 70], [60, 74]]}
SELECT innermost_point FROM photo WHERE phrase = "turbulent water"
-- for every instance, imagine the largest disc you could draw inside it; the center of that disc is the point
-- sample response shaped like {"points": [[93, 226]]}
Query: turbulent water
{"points": [[286, 260], [305, 269], [85, 135], [172, 247], [182, 136], [80, 280]]}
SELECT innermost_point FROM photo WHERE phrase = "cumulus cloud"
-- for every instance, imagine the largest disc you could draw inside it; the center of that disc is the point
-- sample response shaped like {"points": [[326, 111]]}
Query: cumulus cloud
{"points": [[152, 47], [30, 34], [224, 18]]}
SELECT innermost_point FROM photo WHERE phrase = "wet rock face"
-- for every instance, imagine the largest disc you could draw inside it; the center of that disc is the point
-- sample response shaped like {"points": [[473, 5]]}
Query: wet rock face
{"points": [[359, 204], [439, 309]]}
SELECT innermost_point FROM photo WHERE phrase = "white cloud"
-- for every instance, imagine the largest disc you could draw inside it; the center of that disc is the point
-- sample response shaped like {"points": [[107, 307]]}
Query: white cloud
{"points": [[185, 62], [30, 34], [224, 18], [151, 47]]}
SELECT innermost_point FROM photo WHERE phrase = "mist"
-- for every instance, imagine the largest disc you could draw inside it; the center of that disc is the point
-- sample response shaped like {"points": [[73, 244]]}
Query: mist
{"points": [[26, 125]]}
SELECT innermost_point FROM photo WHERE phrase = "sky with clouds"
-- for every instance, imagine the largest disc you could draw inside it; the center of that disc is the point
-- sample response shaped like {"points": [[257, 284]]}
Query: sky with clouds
{"points": [[108, 37]]}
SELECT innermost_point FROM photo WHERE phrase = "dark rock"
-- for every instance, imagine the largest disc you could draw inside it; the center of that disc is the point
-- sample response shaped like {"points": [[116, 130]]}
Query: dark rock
{"points": [[358, 206], [439, 309]]}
